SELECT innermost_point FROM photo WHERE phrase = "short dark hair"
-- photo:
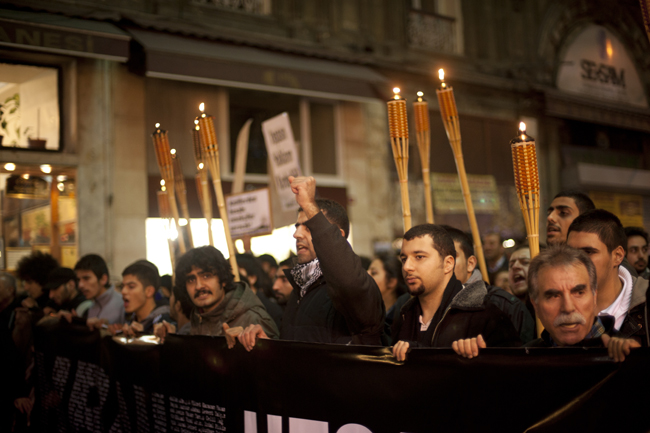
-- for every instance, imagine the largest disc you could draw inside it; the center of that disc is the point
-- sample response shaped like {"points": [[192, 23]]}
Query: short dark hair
{"points": [[335, 214], [206, 258], [96, 264], [393, 268], [582, 200], [181, 295], [36, 267], [604, 224], [461, 237], [556, 256], [166, 281], [268, 258], [442, 241], [253, 267], [145, 271], [636, 231]]}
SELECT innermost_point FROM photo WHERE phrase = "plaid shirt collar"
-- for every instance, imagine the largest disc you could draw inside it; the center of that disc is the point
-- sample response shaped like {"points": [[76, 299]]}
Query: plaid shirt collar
{"points": [[597, 330]]}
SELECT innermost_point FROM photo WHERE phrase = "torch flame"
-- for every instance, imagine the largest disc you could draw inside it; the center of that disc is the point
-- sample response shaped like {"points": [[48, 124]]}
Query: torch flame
{"points": [[441, 74], [173, 151], [522, 127], [162, 182], [201, 166], [202, 106], [157, 125], [396, 91]]}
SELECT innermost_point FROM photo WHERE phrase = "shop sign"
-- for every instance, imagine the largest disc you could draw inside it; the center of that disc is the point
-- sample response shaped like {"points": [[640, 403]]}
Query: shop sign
{"points": [[627, 207], [24, 186], [283, 158], [596, 64], [448, 196], [56, 39], [249, 213]]}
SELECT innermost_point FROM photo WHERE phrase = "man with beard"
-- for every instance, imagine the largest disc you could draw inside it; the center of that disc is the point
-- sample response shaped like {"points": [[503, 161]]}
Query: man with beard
{"points": [[562, 288], [599, 233], [637, 250], [334, 300], [282, 288], [564, 208], [442, 310], [219, 302], [62, 286]]}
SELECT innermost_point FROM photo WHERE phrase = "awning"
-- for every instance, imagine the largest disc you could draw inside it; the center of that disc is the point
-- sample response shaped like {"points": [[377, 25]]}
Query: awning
{"points": [[62, 35], [188, 59], [566, 106]]}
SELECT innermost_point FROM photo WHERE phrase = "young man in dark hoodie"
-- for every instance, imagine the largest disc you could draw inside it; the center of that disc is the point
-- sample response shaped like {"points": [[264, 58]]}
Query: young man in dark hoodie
{"points": [[442, 310], [140, 282], [219, 302]]}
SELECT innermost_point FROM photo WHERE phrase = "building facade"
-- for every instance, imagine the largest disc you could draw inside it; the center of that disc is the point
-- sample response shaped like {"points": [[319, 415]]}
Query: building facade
{"points": [[94, 78]]}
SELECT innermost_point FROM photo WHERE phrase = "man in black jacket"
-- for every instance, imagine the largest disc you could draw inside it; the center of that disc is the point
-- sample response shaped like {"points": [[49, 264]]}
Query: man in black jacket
{"points": [[334, 299], [442, 310]]}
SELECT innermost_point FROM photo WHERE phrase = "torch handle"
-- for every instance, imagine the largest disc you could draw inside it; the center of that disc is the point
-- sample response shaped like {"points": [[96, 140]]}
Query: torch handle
{"points": [[174, 208], [221, 203], [469, 207], [207, 205], [406, 205], [186, 214], [424, 145], [427, 195]]}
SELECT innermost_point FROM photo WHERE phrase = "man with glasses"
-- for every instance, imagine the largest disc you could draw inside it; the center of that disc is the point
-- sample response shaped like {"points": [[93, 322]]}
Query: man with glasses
{"points": [[219, 302]]}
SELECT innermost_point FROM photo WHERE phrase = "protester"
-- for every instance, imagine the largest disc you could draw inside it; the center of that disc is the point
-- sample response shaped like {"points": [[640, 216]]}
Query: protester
{"points": [[108, 306], [260, 284], [599, 233], [501, 281], [442, 310], [386, 270], [563, 289], [140, 283], [518, 272], [219, 302], [564, 208], [180, 310], [334, 299], [62, 286], [33, 270], [282, 288], [468, 274], [495, 255], [269, 265], [637, 250]]}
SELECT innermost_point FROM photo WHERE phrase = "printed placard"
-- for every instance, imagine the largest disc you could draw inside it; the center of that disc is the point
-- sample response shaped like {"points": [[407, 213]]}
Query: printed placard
{"points": [[283, 157], [249, 213]]}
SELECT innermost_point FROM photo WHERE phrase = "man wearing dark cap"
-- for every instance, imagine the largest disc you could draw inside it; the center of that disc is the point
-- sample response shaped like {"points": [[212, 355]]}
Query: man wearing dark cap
{"points": [[62, 285]]}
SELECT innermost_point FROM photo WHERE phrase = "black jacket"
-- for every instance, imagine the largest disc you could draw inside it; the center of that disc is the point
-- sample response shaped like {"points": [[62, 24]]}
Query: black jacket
{"points": [[546, 341], [636, 321], [516, 310], [344, 305], [463, 313]]}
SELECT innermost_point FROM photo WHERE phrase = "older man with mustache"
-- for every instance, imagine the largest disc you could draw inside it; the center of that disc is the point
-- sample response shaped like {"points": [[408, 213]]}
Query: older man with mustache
{"points": [[562, 287]]}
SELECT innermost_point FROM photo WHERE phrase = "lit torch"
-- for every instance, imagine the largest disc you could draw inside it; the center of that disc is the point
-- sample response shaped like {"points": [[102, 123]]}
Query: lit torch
{"points": [[449, 114], [399, 140], [202, 187]]}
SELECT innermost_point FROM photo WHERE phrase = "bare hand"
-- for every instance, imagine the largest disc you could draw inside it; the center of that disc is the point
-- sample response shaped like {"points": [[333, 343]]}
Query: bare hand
{"points": [[66, 315], [115, 328], [96, 323], [400, 350], [29, 303], [469, 347], [161, 330], [305, 190], [249, 337], [231, 334], [618, 347], [24, 405]]}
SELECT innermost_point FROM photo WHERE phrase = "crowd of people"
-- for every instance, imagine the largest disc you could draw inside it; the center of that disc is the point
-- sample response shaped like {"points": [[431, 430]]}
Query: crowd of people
{"points": [[587, 288]]}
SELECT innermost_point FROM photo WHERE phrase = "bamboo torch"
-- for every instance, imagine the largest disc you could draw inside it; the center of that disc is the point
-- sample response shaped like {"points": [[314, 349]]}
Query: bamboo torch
{"points": [[181, 192], [399, 140], [165, 213], [449, 114], [163, 155], [524, 162], [423, 134], [210, 152], [202, 188]]}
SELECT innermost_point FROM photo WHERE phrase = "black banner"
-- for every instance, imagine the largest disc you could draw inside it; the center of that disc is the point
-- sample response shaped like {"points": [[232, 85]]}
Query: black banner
{"points": [[196, 384]]}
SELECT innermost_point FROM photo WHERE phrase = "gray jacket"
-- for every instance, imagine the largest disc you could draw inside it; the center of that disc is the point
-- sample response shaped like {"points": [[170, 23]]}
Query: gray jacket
{"points": [[109, 305]]}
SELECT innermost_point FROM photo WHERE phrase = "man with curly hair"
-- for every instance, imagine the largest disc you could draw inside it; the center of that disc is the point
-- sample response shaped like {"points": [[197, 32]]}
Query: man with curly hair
{"points": [[33, 270]]}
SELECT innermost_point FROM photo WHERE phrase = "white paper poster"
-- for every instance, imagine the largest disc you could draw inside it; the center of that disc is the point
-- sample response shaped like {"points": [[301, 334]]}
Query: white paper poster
{"points": [[283, 158], [249, 213]]}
